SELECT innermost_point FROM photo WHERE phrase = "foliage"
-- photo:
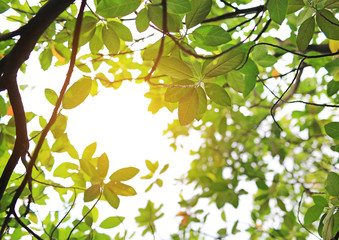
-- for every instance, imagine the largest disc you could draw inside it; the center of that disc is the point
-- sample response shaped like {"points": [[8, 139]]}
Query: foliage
{"points": [[258, 79]]}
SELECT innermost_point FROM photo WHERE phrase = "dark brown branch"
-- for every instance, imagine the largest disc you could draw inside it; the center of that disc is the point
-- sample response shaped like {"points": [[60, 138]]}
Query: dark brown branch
{"points": [[237, 13]]}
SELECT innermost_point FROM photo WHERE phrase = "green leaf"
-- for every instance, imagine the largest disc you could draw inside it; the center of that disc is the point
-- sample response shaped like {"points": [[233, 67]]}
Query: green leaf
{"points": [[200, 10], [328, 23], [124, 174], [111, 222], [96, 43], [92, 193], [188, 107], [332, 130], [164, 168], [121, 189], [313, 214], [155, 15], [332, 4], [159, 182], [111, 197], [225, 63], [174, 94], [211, 35], [116, 8], [294, 5], [142, 21], [4, 6], [103, 165], [89, 151], [277, 10], [332, 185], [51, 96], [77, 93], [319, 200], [304, 14], [121, 30], [45, 57], [332, 88], [305, 34], [217, 94], [110, 40], [59, 126], [178, 6], [234, 228], [175, 68], [202, 102], [63, 170]]}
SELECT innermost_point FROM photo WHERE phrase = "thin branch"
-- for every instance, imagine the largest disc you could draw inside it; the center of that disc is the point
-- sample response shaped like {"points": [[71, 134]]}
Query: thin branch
{"points": [[237, 13], [267, 24], [89, 211], [30, 231]]}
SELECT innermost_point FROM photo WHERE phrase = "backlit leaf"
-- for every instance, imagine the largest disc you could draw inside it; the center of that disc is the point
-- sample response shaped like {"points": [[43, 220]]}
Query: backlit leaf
{"points": [[51, 96], [217, 94], [121, 189], [45, 58], [211, 35], [64, 169], [313, 214], [92, 193], [111, 222], [117, 8], [152, 166], [164, 169], [178, 6], [111, 197], [124, 174], [200, 10], [89, 151], [225, 63], [110, 40], [188, 107], [155, 15], [77, 93], [121, 30], [142, 21], [103, 165], [175, 68]]}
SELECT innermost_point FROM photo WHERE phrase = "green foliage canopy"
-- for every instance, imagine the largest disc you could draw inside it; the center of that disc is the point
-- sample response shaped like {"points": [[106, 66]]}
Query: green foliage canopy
{"points": [[258, 79]]}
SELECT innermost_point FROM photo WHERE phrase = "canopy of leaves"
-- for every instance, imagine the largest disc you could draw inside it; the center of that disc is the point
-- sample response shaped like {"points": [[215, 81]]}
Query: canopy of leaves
{"points": [[258, 79]]}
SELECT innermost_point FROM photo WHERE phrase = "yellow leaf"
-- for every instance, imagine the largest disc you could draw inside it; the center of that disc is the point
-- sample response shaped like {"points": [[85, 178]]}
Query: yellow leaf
{"points": [[275, 73], [57, 55], [334, 45]]}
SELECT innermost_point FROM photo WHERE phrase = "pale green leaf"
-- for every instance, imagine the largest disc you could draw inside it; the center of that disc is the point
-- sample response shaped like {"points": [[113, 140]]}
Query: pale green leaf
{"points": [[217, 94], [313, 214], [77, 93], [174, 94], [188, 107], [110, 40], [155, 15], [111, 197], [178, 6], [142, 21], [121, 189], [111, 222], [89, 151], [124, 174], [117, 8], [51, 96], [121, 30]]}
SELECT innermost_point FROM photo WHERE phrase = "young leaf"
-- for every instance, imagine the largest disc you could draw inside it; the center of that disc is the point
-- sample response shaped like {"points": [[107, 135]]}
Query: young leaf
{"points": [[305, 33], [116, 8], [152, 166], [217, 94], [124, 174], [77, 93], [111, 197], [328, 23], [111, 222], [188, 107], [202, 102], [200, 10], [96, 43], [164, 169], [111, 40], [51, 96], [332, 130], [103, 165], [63, 169], [175, 68], [45, 58], [89, 151], [121, 189], [92, 193], [225, 63], [277, 10], [211, 35]]}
